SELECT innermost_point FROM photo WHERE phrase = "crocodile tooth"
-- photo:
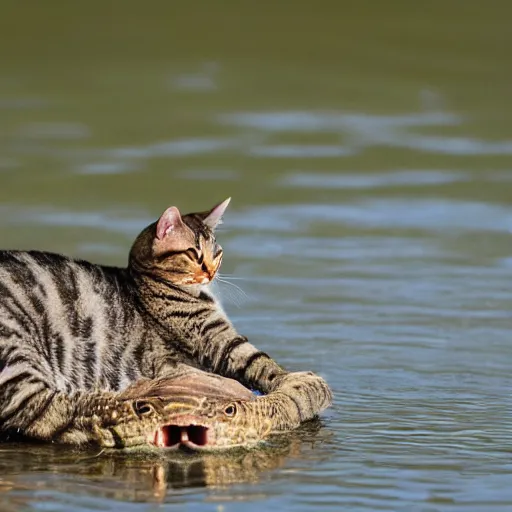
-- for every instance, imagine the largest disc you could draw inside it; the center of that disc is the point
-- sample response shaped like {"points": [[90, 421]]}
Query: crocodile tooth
{"points": [[159, 438]]}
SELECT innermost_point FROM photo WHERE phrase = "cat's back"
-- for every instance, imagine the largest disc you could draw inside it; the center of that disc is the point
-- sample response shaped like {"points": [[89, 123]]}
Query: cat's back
{"points": [[69, 294], [40, 272], [69, 320]]}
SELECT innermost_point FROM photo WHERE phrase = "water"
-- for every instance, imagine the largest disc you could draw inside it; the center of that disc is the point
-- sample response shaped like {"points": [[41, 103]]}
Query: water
{"points": [[368, 150]]}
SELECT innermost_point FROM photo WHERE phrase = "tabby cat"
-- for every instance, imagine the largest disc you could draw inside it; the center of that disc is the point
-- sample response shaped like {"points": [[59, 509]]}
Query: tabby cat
{"points": [[72, 332]]}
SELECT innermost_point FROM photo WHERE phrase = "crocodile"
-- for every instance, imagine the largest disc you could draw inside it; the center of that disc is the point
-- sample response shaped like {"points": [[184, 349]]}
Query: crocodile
{"points": [[195, 411]]}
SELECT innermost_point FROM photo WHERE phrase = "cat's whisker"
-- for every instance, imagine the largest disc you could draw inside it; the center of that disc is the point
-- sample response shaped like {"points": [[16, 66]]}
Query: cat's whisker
{"points": [[230, 276], [235, 293], [223, 280], [225, 293], [229, 296]]}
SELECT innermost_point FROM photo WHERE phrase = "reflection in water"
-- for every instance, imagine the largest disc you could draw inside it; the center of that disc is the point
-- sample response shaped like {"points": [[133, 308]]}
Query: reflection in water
{"points": [[143, 475]]}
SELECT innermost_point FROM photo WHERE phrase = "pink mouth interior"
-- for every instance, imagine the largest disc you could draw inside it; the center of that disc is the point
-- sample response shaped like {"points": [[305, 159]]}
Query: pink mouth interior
{"points": [[172, 436]]}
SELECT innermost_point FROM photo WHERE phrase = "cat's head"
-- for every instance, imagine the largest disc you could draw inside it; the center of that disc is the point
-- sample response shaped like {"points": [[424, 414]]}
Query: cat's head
{"points": [[180, 249]]}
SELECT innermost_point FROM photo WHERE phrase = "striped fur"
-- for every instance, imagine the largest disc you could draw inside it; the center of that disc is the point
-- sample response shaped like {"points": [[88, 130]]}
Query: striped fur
{"points": [[69, 328]]}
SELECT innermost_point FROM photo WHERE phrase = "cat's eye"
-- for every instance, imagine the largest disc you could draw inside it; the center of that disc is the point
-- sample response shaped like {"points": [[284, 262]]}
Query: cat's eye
{"points": [[230, 410], [192, 254], [143, 408], [217, 251]]}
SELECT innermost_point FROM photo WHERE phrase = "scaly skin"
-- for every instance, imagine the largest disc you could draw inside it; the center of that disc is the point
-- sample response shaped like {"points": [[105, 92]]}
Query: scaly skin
{"points": [[201, 412]]}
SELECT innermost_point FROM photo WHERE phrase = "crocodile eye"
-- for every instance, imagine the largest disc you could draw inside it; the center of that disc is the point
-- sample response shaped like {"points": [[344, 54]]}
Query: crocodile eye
{"points": [[230, 410], [143, 408]]}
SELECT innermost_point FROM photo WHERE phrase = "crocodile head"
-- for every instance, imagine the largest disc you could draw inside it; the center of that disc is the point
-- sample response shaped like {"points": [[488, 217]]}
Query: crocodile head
{"points": [[197, 411]]}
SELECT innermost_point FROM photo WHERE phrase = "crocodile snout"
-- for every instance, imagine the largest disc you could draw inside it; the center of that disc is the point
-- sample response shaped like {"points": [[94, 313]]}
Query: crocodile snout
{"points": [[174, 436]]}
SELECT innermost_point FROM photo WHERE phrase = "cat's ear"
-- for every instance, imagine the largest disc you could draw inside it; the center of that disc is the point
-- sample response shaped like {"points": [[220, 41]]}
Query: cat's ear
{"points": [[168, 222], [214, 217]]}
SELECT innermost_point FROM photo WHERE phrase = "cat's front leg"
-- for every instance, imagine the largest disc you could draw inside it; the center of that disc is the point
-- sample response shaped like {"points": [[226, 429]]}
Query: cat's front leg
{"points": [[298, 397], [292, 397]]}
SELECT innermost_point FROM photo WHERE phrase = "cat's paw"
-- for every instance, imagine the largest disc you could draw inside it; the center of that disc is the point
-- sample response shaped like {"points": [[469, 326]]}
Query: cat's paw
{"points": [[310, 384]]}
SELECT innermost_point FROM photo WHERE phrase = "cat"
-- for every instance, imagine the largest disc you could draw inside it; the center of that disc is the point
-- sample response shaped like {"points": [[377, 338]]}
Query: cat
{"points": [[73, 332]]}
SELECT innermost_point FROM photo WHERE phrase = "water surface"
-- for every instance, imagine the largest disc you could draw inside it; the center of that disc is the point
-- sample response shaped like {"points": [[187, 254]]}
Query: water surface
{"points": [[368, 151]]}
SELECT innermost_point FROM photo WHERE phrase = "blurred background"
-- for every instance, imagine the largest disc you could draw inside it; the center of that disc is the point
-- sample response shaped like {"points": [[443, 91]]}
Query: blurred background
{"points": [[368, 150]]}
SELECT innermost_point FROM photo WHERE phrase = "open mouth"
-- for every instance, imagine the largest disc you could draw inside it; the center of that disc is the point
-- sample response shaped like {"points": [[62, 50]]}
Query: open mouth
{"points": [[174, 436]]}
